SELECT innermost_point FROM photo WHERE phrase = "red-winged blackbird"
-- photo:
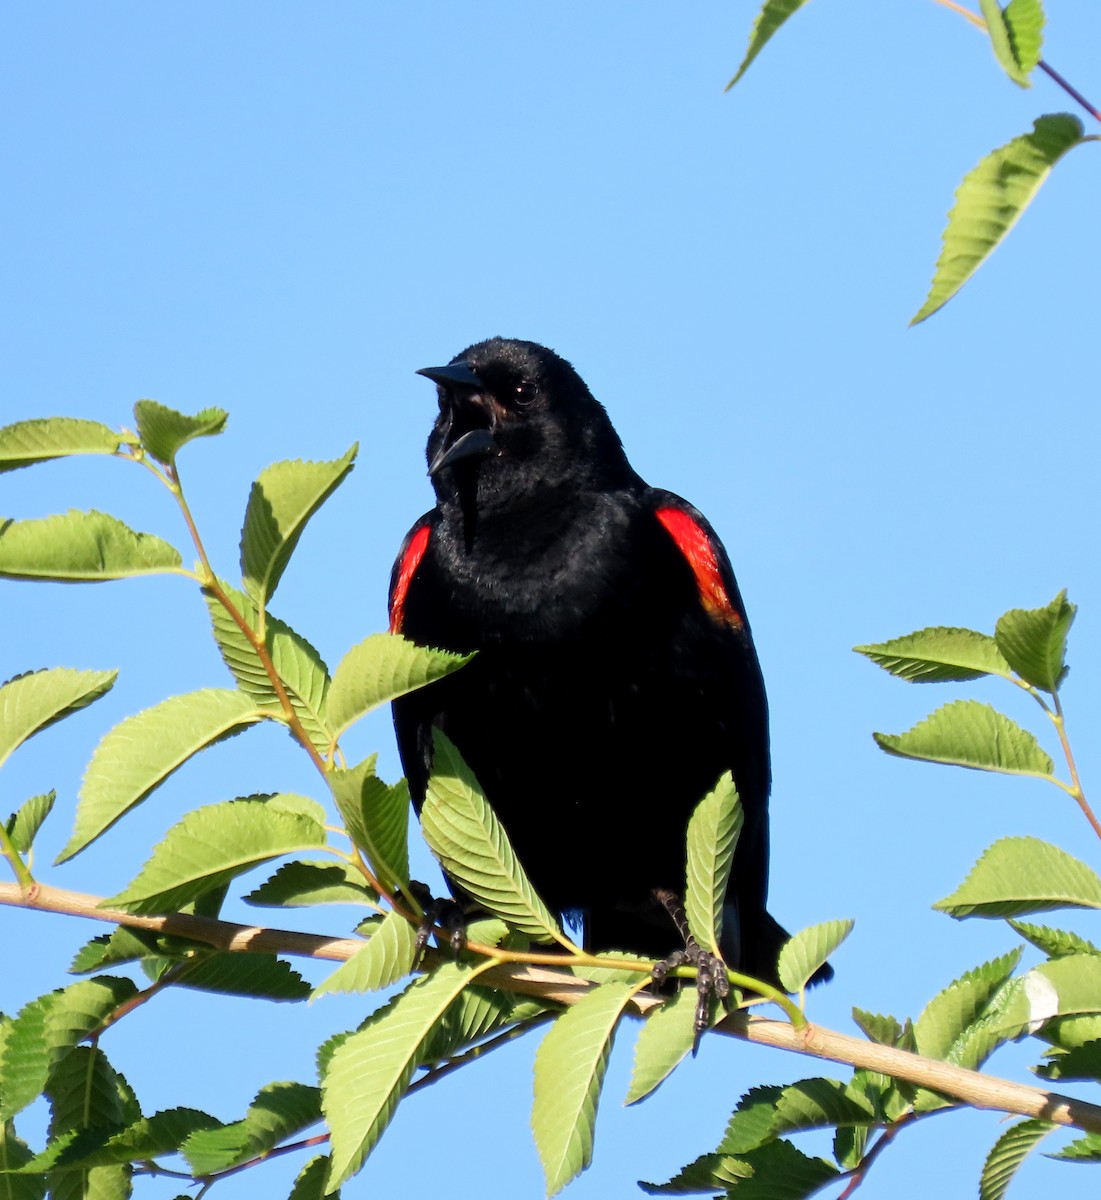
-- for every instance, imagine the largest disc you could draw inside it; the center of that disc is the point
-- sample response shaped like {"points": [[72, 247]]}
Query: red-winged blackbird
{"points": [[615, 679]]}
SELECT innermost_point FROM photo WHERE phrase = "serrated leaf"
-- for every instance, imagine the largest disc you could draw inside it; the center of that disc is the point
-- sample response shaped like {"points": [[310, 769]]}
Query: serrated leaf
{"points": [[312, 1180], [967, 733], [665, 1039], [713, 831], [32, 702], [254, 975], [142, 751], [1034, 641], [1054, 942], [213, 845], [387, 957], [24, 824], [283, 499], [991, 199], [877, 1028], [952, 1026], [14, 1155], [378, 670], [1007, 1154], [46, 1027], [569, 1072], [147, 1138], [1075, 981], [278, 1111], [939, 654], [774, 1171], [772, 15], [376, 816], [128, 945], [1025, 22], [475, 1014], [1021, 875], [300, 668], [85, 1092], [368, 1071], [301, 883], [164, 431], [808, 950], [1080, 1062], [750, 1124], [471, 844], [82, 547], [819, 1103], [45, 438], [708, 1173], [1083, 1149], [1002, 43]]}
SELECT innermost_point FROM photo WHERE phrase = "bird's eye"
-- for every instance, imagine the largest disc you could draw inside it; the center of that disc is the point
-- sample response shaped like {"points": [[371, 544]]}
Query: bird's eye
{"points": [[523, 393]]}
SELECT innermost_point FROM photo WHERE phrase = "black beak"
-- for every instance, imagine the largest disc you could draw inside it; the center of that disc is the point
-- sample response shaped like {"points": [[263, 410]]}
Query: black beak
{"points": [[458, 374]]}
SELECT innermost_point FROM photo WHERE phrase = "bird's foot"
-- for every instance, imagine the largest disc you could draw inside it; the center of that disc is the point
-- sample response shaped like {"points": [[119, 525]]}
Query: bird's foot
{"points": [[711, 979], [440, 913]]}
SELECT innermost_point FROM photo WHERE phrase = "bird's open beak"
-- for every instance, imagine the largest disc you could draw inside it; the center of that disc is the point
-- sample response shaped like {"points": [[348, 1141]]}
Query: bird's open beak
{"points": [[473, 443]]}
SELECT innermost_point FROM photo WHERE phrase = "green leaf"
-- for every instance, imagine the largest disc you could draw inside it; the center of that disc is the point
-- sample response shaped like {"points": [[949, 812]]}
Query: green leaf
{"points": [[213, 845], [369, 1071], [300, 668], [569, 1073], [278, 1112], [141, 752], [124, 945], [804, 953], [465, 835], [1083, 1149], [85, 1092], [1007, 1154], [24, 824], [1035, 641], [254, 975], [750, 1124], [1001, 42], [313, 1180], [1080, 1062], [283, 499], [46, 1027], [992, 198], [966, 733], [940, 654], [301, 883], [29, 442], [376, 816], [82, 547], [383, 960], [713, 831], [475, 1014], [14, 1155], [817, 1104], [147, 1138], [1075, 980], [708, 1173], [666, 1038], [877, 1028], [1054, 942], [1024, 21], [35, 701], [774, 1171], [1021, 875], [772, 15], [164, 432], [378, 670]]}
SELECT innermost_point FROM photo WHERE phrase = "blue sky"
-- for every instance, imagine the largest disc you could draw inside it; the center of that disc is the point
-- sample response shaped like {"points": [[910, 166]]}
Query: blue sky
{"points": [[285, 210]]}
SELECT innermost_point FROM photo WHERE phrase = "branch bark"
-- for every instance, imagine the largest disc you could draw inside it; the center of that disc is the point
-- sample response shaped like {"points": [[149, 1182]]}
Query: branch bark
{"points": [[972, 1088]]}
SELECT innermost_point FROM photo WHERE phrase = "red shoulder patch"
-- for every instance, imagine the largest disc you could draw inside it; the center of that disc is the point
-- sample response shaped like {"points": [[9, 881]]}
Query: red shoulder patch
{"points": [[692, 541], [410, 560]]}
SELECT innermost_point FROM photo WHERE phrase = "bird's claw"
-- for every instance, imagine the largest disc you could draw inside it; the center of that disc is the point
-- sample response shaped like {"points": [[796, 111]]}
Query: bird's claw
{"points": [[439, 913], [711, 981]]}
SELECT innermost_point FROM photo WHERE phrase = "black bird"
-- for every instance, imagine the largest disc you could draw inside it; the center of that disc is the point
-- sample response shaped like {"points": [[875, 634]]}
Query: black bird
{"points": [[616, 677]]}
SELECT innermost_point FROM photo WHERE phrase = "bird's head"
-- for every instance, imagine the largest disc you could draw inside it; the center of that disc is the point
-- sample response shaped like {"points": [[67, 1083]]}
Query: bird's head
{"points": [[514, 419]]}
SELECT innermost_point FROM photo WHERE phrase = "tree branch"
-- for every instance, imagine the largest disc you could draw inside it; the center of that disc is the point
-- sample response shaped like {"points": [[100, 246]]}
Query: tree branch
{"points": [[972, 1088]]}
